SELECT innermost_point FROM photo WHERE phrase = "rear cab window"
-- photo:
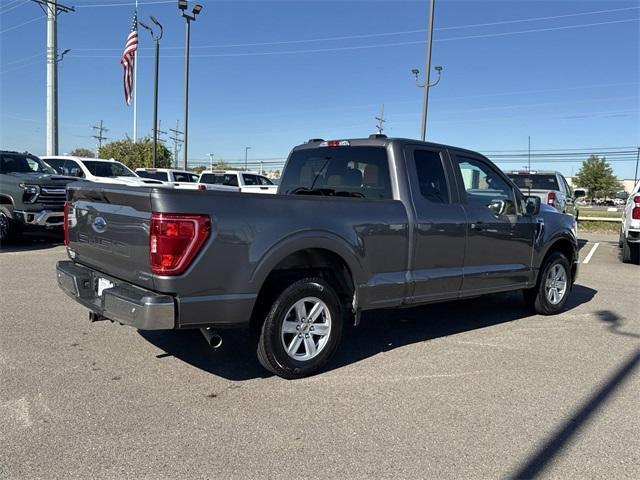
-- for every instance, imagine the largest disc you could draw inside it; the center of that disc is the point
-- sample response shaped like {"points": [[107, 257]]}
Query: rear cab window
{"points": [[525, 181], [344, 171], [154, 175]]}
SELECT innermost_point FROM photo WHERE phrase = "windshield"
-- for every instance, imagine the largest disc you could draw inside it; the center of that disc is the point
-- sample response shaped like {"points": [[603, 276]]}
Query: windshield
{"points": [[538, 182], [339, 171], [155, 175], [23, 163], [108, 169]]}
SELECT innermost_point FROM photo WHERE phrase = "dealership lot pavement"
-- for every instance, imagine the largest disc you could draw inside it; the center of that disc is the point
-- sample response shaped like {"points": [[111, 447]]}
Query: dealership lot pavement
{"points": [[474, 389]]}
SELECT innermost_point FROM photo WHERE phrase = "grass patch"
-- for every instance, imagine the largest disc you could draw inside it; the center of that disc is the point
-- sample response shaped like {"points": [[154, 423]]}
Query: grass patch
{"points": [[595, 226]]}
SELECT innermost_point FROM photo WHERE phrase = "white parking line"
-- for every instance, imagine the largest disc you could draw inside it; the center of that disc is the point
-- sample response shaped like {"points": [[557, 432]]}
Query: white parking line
{"points": [[591, 252]]}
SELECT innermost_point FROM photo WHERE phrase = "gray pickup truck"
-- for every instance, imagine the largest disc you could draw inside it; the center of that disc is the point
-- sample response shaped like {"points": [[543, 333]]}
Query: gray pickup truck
{"points": [[356, 225], [32, 196]]}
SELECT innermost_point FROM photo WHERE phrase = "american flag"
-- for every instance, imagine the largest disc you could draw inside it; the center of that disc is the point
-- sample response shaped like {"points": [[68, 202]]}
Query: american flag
{"points": [[129, 57]]}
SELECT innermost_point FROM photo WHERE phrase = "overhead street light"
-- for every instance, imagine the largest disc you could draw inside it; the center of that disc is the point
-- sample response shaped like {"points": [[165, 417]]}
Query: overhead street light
{"points": [[156, 39], [427, 85], [182, 6]]}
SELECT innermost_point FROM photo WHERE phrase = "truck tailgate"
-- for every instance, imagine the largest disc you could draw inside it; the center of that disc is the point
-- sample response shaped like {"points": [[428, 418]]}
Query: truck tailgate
{"points": [[109, 230]]}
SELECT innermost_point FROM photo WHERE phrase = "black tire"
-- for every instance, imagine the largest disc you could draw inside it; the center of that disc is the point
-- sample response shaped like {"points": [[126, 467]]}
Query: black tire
{"points": [[630, 252], [9, 228], [620, 239], [271, 351], [536, 297]]}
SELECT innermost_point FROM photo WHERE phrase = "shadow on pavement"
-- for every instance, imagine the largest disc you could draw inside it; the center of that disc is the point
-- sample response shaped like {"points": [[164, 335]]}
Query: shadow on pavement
{"points": [[31, 242], [615, 322], [545, 454], [379, 331]]}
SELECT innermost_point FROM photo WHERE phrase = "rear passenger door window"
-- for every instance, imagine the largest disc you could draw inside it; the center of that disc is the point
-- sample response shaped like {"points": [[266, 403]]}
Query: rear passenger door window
{"points": [[432, 180]]}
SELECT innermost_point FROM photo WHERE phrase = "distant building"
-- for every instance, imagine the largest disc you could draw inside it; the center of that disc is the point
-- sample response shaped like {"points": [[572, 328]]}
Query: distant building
{"points": [[627, 183]]}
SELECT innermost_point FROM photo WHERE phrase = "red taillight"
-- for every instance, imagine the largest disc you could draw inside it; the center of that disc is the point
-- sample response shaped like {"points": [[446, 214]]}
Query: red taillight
{"points": [[551, 199], [66, 223], [175, 240], [202, 186], [635, 212]]}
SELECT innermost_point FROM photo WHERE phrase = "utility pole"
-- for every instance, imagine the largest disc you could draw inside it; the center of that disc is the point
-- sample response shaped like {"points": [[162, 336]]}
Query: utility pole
{"points": [[529, 154], [177, 141], [161, 132], [51, 8], [381, 120], [246, 150], [635, 175], [211, 161], [99, 137]]}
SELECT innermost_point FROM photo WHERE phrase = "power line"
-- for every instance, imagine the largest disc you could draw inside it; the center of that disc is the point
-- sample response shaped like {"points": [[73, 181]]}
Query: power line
{"points": [[7, 10], [380, 45]]}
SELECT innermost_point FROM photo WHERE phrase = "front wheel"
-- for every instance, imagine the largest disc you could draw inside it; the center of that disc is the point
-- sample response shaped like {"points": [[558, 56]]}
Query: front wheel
{"points": [[552, 289], [302, 329], [9, 230]]}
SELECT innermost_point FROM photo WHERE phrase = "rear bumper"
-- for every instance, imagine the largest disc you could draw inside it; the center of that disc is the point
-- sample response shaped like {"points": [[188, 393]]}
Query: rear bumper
{"points": [[123, 303], [633, 235], [147, 310]]}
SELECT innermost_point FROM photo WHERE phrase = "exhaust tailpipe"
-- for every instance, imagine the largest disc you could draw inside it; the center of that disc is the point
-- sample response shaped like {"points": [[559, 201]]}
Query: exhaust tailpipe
{"points": [[213, 338]]}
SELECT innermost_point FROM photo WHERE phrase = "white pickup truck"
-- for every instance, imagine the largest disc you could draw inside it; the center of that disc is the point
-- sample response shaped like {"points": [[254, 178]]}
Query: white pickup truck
{"points": [[630, 228], [241, 181]]}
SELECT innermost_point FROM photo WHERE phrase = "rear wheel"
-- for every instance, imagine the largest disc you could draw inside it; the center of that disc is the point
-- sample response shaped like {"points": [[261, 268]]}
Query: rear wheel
{"points": [[302, 329], [9, 230], [552, 289], [630, 252]]}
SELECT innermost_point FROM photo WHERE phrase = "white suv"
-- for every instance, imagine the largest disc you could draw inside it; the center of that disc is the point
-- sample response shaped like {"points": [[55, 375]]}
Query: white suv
{"points": [[96, 170], [630, 228], [168, 175], [240, 181]]}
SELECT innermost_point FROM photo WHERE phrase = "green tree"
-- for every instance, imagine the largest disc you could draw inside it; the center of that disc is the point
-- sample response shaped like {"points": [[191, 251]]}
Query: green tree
{"points": [[596, 175], [136, 155], [82, 152]]}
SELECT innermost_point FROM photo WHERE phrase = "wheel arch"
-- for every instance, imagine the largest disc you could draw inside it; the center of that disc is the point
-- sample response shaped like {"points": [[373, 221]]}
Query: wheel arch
{"points": [[329, 257]]}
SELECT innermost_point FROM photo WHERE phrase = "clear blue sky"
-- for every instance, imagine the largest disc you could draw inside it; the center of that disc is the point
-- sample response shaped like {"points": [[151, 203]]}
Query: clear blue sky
{"points": [[568, 82]]}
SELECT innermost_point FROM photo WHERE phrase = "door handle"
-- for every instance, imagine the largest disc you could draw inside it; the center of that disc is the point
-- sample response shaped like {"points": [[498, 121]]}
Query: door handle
{"points": [[478, 226]]}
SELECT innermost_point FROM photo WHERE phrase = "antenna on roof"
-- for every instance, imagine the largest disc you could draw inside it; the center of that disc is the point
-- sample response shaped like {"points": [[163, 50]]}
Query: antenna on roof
{"points": [[381, 120]]}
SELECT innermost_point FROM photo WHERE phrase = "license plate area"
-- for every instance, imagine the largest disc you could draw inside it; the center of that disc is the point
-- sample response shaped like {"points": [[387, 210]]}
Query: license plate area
{"points": [[102, 285]]}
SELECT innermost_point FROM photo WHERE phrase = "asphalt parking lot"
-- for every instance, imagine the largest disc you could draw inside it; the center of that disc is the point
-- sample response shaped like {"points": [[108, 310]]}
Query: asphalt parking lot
{"points": [[474, 389]]}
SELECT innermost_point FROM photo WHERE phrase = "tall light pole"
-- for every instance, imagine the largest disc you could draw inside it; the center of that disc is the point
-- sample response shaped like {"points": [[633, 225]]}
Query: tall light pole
{"points": [[51, 9], [415, 71], [211, 161], [246, 150], [182, 5], [156, 38]]}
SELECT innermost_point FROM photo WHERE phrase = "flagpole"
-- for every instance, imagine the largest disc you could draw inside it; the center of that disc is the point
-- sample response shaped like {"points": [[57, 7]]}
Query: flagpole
{"points": [[135, 90]]}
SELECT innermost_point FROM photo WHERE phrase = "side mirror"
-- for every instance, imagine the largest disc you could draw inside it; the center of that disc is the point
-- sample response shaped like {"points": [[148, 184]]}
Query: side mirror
{"points": [[532, 205]]}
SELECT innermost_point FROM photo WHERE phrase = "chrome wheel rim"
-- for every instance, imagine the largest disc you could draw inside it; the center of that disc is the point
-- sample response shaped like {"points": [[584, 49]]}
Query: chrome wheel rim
{"points": [[556, 284], [306, 329]]}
